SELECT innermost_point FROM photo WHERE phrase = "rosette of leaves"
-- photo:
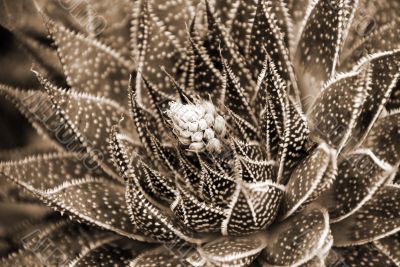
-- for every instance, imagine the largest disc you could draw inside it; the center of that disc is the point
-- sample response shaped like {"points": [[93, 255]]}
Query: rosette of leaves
{"points": [[226, 133]]}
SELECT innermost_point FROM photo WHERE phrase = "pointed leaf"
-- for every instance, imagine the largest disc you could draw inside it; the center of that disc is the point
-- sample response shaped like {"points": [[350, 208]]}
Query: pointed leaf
{"points": [[368, 255], [106, 72], [337, 108], [297, 239], [383, 139], [238, 251], [92, 129], [76, 186], [390, 246], [322, 36], [235, 97], [378, 218], [155, 49], [306, 178], [360, 176], [252, 207], [151, 220], [220, 43], [163, 256], [385, 68], [268, 38], [196, 214]]}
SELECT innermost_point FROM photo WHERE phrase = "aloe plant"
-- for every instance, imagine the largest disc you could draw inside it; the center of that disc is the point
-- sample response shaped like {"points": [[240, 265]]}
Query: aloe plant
{"points": [[210, 133]]}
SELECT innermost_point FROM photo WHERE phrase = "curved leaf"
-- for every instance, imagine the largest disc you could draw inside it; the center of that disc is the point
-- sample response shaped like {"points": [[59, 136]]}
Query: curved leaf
{"points": [[238, 251], [298, 239], [325, 28], [307, 177], [360, 176], [368, 255], [377, 219], [106, 72], [75, 186]]}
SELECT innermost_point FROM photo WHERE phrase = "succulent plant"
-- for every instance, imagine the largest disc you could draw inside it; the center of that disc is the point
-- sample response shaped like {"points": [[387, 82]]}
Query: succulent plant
{"points": [[218, 133]]}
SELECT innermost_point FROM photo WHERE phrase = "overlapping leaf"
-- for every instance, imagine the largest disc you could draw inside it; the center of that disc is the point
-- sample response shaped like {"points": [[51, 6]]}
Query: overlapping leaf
{"points": [[383, 139], [229, 252], [367, 254], [298, 239], [360, 176], [268, 39], [378, 218], [89, 65], [155, 49], [67, 243], [307, 178], [325, 27], [74, 184]]}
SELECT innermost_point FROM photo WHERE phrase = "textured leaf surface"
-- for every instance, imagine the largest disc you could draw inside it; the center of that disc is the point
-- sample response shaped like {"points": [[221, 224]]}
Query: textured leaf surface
{"points": [[71, 186], [163, 256], [337, 107], [306, 178], [383, 139], [390, 246], [297, 239], [368, 255], [105, 72], [153, 221], [378, 218], [360, 176], [268, 39], [238, 251], [56, 244], [91, 130], [320, 42]]}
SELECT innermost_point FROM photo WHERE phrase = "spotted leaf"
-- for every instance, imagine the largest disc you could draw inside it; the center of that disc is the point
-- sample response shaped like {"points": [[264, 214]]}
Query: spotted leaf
{"points": [[91, 130], [297, 239], [235, 97], [252, 207], [106, 76], [307, 177], [385, 68], [382, 139], [267, 38], [238, 251], [219, 43], [161, 257], [153, 221], [74, 185], [196, 214], [156, 49], [324, 29], [378, 218], [390, 246], [360, 176], [367, 254], [338, 107]]}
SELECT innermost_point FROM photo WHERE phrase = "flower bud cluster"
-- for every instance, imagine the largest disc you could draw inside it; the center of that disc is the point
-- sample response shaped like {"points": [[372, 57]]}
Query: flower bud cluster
{"points": [[198, 126]]}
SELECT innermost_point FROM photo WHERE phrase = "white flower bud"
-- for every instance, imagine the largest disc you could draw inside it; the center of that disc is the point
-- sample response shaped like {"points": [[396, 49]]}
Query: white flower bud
{"points": [[214, 145], [185, 141], [197, 136], [200, 111], [196, 146], [209, 134], [202, 124], [193, 126], [219, 125], [209, 118], [185, 134], [197, 126], [209, 107]]}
